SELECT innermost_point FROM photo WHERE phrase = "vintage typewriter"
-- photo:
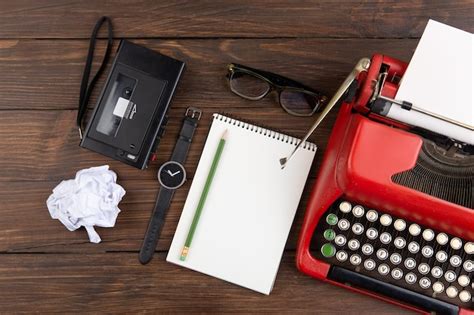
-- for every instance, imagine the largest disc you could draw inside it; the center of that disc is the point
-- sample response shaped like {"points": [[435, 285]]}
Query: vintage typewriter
{"points": [[391, 214]]}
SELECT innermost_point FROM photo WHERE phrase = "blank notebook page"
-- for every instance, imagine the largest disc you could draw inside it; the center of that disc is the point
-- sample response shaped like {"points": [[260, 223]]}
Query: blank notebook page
{"points": [[250, 208]]}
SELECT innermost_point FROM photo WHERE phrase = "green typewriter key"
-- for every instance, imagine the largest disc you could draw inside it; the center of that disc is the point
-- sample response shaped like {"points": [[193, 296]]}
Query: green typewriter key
{"points": [[332, 219], [328, 250], [329, 234]]}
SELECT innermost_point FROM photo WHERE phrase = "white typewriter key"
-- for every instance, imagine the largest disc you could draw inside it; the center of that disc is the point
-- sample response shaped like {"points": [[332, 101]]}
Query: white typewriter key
{"points": [[425, 283], [396, 258], [355, 260], [400, 242], [385, 238], [465, 296], [428, 235], [367, 249], [372, 215], [358, 229], [464, 281], [469, 248], [382, 254], [383, 269], [399, 225], [436, 272], [345, 206], [414, 229], [410, 263], [397, 273], [343, 225], [369, 264], [442, 238], [455, 261], [341, 256], [372, 233], [410, 278], [385, 220], [450, 276], [441, 256], [427, 251], [468, 266], [413, 247], [455, 243], [424, 268], [353, 244], [438, 287], [340, 240], [358, 211], [452, 292]]}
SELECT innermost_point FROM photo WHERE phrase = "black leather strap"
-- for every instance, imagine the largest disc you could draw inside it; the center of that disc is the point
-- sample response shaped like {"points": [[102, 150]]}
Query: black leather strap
{"points": [[165, 195], [86, 87], [184, 141], [157, 220]]}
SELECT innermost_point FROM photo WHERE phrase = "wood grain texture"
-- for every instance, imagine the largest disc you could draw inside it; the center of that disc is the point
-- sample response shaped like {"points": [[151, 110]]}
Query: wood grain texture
{"points": [[43, 43], [231, 18], [117, 283]]}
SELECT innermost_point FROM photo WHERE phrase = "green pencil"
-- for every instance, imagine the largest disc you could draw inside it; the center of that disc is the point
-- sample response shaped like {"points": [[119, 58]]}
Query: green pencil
{"points": [[202, 200]]}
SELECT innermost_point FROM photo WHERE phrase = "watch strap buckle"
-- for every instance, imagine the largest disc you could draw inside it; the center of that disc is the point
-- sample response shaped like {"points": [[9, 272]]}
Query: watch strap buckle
{"points": [[193, 112]]}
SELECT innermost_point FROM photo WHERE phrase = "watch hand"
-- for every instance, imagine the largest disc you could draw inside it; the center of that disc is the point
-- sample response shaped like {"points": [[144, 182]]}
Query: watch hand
{"points": [[177, 172], [169, 172]]}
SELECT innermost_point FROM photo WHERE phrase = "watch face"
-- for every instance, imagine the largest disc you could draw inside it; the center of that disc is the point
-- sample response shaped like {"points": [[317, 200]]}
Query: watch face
{"points": [[171, 175]]}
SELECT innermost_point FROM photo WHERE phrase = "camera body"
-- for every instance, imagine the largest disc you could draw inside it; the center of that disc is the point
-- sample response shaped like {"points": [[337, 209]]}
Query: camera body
{"points": [[130, 115]]}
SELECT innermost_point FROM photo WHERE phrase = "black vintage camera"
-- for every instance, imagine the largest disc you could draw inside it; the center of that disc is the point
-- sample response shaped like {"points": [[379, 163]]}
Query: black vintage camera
{"points": [[130, 115]]}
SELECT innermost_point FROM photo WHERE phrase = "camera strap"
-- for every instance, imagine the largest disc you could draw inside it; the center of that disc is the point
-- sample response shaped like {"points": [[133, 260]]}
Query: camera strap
{"points": [[86, 86]]}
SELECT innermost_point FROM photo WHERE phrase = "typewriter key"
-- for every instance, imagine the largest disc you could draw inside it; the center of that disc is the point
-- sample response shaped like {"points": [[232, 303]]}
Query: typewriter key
{"points": [[372, 215], [442, 238], [355, 260], [328, 250], [450, 276], [385, 238], [425, 283], [465, 296], [400, 242], [341, 256], [438, 287], [367, 249], [468, 266], [452, 292], [345, 206], [441, 256], [369, 264], [399, 225], [382, 254], [427, 251], [424, 268], [455, 243], [358, 229], [414, 229], [428, 235], [436, 272], [464, 281], [358, 211], [331, 219], [469, 248], [455, 261], [329, 234], [413, 247], [396, 258], [386, 220], [344, 225], [410, 278], [383, 269], [340, 240], [397, 273], [372, 233], [410, 263], [353, 244]]}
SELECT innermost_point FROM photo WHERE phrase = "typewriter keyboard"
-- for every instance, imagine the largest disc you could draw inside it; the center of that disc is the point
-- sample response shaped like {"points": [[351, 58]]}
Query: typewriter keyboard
{"points": [[395, 251]]}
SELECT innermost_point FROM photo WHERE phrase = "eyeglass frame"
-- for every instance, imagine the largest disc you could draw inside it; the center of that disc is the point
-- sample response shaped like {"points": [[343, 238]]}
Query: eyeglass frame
{"points": [[278, 84]]}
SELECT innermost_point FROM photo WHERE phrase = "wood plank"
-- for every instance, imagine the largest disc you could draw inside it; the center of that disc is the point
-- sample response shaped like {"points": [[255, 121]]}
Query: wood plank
{"points": [[115, 283], [46, 74], [230, 18], [26, 225]]}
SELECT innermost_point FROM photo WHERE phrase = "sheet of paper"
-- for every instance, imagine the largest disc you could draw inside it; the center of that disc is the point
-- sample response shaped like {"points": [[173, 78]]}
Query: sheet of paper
{"points": [[250, 208], [439, 79]]}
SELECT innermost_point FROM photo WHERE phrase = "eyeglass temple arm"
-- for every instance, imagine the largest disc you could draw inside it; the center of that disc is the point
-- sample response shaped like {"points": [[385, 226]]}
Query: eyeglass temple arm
{"points": [[362, 66]]}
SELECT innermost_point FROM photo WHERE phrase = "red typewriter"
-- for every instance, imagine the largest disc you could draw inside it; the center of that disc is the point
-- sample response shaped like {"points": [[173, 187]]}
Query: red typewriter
{"points": [[391, 214]]}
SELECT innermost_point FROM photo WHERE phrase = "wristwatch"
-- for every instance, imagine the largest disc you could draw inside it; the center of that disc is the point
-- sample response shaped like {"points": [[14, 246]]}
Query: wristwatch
{"points": [[171, 176]]}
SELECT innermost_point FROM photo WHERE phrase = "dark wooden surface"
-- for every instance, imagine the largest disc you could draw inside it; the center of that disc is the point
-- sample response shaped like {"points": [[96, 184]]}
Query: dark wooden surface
{"points": [[44, 267]]}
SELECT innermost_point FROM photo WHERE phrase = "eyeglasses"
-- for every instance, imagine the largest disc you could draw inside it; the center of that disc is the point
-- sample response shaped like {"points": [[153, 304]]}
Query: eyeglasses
{"points": [[295, 98]]}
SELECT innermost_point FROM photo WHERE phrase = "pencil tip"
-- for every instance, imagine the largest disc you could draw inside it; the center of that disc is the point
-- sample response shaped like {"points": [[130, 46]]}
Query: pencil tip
{"points": [[283, 162]]}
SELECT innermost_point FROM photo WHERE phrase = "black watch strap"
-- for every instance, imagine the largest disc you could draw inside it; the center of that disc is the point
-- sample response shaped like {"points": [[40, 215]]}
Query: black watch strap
{"points": [[165, 195], [157, 220], [190, 122]]}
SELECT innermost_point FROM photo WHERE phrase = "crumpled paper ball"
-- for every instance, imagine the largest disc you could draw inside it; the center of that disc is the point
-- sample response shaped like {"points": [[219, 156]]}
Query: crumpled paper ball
{"points": [[91, 199]]}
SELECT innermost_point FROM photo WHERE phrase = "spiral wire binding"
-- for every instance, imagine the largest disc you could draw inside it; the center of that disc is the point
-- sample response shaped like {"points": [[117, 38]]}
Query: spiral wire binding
{"points": [[264, 131]]}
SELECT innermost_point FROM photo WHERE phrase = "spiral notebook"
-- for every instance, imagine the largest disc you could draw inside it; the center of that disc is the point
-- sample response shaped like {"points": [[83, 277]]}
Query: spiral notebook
{"points": [[250, 208]]}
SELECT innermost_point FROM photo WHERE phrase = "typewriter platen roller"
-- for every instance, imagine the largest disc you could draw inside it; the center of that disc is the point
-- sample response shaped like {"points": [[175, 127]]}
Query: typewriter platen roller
{"points": [[375, 165]]}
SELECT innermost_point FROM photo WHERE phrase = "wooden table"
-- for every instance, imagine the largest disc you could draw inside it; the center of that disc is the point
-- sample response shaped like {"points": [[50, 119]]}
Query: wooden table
{"points": [[43, 44]]}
